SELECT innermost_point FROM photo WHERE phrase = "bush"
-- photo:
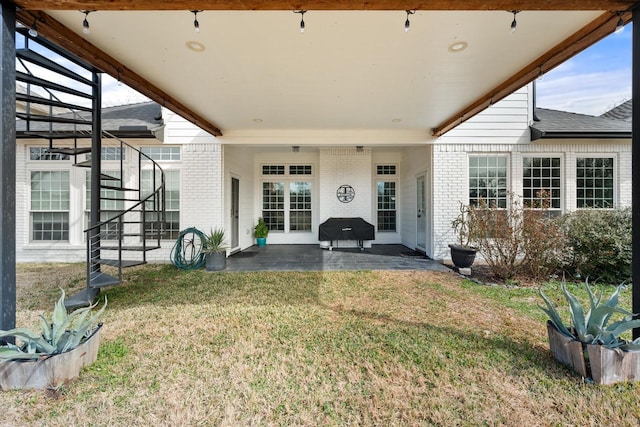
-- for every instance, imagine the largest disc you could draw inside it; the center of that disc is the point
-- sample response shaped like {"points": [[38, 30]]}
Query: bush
{"points": [[600, 242], [517, 240]]}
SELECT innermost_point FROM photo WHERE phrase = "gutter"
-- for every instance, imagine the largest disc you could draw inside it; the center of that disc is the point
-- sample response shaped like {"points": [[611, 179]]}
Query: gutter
{"points": [[541, 134]]}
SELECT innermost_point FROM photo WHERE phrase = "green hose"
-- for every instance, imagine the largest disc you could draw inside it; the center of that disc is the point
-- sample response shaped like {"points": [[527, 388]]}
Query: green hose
{"points": [[186, 253]]}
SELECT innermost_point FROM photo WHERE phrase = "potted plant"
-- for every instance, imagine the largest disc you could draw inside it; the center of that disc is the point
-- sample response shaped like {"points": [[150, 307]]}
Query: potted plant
{"points": [[592, 344], [215, 250], [54, 356], [261, 231], [462, 253]]}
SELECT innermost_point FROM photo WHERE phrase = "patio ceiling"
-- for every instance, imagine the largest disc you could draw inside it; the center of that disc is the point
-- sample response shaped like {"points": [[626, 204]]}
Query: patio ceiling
{"points": [[354, 68]]}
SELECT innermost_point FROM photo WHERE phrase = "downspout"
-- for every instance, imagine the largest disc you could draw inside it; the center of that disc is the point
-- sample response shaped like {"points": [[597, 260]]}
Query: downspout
{"points": [[534, 94]]}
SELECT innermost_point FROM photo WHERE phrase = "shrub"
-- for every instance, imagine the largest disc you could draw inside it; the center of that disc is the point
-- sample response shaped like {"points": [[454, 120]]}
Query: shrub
{"points": [[518, 240], [600, 242]]}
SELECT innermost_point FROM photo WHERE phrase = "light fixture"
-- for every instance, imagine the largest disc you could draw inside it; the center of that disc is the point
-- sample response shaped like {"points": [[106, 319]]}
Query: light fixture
{"points": [[301, 12], [514, 23], [85, 23], [195, 46], [620, 24], [196, 24], [359, 149], [295, 148], [458, 46], [407, 24], [33, 31]]}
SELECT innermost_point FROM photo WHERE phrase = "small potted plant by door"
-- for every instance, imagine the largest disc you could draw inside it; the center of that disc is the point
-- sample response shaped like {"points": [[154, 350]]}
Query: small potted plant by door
{"points": [[462, 253], [261, 231], [215, 250]]}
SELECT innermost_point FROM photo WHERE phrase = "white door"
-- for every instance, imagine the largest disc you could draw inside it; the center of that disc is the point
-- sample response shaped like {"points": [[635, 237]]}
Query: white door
{"points": [[421, 220], [235, 211]]}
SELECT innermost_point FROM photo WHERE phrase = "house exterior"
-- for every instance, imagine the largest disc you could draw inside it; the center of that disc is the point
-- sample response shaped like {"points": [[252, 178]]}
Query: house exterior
{"points": [[409, 189]]}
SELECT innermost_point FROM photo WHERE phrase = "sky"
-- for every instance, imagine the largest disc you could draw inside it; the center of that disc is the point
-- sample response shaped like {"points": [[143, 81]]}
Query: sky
{"points": [[592, 82]]}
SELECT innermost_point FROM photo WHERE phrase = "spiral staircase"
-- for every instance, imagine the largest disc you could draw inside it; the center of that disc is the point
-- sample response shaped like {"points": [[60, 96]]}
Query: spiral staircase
{"points": [[59, 102]]}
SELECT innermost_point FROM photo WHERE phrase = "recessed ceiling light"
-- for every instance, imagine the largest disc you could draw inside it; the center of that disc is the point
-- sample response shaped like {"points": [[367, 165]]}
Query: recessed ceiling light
{"points": [[195, 46], [458, 47], [396, 120], [257, 120]]}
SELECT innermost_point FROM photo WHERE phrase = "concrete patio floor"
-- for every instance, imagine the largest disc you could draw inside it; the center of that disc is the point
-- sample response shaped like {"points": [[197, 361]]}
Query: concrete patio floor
{"points": [[314, 258]]}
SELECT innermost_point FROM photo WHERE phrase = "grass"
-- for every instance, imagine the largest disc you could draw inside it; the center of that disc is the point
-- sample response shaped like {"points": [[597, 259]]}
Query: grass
{"points": [[314, 348]]}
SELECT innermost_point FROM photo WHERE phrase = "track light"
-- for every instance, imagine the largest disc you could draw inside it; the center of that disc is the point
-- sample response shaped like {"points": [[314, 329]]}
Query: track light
{"points": [[620, 24], [407, 24], [85, 23], [33, 31], [196, 24], [514, 23], [301, 12]]}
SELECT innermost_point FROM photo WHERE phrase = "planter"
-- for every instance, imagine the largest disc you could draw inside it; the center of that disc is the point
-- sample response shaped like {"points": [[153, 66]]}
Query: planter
{"points": [[462, 256], [216, 261], [262, 241], [603, 365], [52, 371]]}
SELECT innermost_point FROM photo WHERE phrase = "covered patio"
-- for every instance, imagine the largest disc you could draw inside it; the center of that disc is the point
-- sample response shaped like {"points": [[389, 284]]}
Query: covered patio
{"points": [[314, 258], [243, 72]]}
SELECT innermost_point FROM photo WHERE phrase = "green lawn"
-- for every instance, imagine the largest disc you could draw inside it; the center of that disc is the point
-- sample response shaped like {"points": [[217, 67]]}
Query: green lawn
{"points": [[313, 348]]}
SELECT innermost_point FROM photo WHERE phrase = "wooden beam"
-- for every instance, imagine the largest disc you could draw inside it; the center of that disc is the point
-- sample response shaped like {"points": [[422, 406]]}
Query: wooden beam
{"points": [[613, 5], [596, 30], [57, 33]]}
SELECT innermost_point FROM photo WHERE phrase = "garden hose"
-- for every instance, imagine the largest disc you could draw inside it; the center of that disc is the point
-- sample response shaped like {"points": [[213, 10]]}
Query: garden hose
{"points": [[186, 253]]}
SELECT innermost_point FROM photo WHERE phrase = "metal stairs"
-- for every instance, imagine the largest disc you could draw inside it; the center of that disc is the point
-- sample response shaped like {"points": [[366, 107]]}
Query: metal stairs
{"points": [[127, 205]]}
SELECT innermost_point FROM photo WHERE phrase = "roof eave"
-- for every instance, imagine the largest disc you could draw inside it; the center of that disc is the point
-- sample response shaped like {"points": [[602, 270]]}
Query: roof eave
{"points": [[541, 134]]}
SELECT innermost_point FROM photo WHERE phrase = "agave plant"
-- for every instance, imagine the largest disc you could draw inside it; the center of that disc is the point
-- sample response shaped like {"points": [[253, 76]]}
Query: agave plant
{"points": [[60, 333], [592, 326]]}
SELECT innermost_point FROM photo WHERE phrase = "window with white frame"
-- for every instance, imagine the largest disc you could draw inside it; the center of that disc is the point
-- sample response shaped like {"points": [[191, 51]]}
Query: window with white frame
{"points": [[166, 156], [386, 198], [165, 153], [43, 153], [488, 181], [111, 203], [594, 182], [171, 225], [50, 204], [287, 200], [542, 183]]}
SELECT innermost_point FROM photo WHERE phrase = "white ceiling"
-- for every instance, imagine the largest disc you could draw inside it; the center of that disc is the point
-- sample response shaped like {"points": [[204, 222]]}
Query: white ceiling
{"points": [[350, 70]]}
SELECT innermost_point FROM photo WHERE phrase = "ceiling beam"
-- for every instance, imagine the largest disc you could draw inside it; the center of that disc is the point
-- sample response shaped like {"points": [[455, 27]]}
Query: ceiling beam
{"points": [[613, 5], [62, 36], [596, 30]]}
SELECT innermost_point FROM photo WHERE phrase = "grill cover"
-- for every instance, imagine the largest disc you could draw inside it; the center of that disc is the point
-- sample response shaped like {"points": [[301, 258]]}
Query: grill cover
{"points": [[346, 229]]}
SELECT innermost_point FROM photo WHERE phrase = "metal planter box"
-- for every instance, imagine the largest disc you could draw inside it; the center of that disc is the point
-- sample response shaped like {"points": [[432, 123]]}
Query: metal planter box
{"points": [[52, 371], [603, 365]]}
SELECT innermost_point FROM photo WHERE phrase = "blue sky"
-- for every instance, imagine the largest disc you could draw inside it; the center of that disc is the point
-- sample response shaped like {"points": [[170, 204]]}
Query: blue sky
{"points": [[592, 82]]}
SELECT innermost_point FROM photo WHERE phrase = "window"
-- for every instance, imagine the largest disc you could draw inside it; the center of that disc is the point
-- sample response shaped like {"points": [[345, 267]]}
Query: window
{"points": [[488, 181], [594, 182], [386, 206], [273, 205], [387, 190], [287, 202], [162, 153], [273, 170], [541, 175], [386, 169], [172, 204], [50, 191], [111, 203], [111, 154], [300, 206], [42, 153]]}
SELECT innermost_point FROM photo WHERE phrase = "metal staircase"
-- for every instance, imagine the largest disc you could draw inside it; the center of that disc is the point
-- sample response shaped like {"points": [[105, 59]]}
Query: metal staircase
{"points": [[61, 104]]}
